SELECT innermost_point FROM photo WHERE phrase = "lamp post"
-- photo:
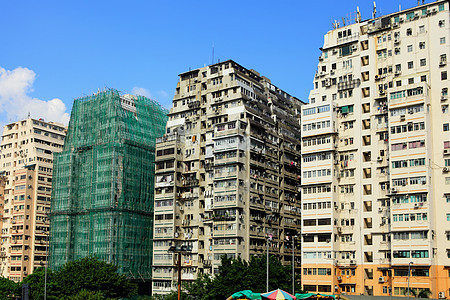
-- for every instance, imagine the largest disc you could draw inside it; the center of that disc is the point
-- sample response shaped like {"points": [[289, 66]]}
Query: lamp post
{"points": [[46, 264], [180, 250], [293, 263], [409, 273], [269, 238]]}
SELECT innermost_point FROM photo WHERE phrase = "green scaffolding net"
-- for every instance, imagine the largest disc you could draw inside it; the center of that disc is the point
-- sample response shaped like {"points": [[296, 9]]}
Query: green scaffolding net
{"points": [[102, 201]]}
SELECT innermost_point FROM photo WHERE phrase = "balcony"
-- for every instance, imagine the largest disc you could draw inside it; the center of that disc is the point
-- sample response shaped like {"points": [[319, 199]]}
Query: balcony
{"points": [[347, 85]]}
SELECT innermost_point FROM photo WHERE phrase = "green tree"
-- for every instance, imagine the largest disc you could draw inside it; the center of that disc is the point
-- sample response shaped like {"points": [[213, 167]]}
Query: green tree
{"points": [[236, 275], [87, 275], [36, 280], [8, 289], [92, 274], [88, 295]]}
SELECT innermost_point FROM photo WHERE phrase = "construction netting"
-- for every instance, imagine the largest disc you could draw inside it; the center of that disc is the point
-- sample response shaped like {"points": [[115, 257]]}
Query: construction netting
{"points": [[102, 201]]}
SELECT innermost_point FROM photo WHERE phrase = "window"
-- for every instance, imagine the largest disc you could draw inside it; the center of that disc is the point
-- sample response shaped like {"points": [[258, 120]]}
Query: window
{"points": [[410, 16], [411, 80], [410, 65], [442, 40], [423, 78], [441, 7], [423, 62], [445, 127], [422, 45], [409, 48], [422, 27], [408, 31], [444, 75], [441, 23]]}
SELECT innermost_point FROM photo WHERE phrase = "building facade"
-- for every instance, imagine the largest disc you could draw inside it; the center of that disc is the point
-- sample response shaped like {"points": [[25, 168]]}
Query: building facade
{"points": [[26, 169], [102, 201], [227, 172], [376, 146]]}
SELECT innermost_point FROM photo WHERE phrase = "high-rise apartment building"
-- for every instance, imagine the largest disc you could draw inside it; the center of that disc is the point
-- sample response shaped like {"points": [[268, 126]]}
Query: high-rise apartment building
{"points": [[102, 201], [26, 164], [375, 152], [227, 172]]}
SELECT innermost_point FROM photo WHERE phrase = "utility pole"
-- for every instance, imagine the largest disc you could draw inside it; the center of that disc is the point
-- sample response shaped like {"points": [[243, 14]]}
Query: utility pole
{"points": [[293, 264], [185, 250], [409, 273], [269, 238]]}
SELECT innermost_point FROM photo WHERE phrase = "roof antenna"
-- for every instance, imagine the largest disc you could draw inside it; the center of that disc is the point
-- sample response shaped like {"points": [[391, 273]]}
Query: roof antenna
{"points": [[358, 15], [374, 10], [212, 61]]}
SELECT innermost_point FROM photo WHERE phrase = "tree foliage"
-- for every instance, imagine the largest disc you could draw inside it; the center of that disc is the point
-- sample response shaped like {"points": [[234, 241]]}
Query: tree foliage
{"points": [[88, 277], [8, 289], [237, 275]]}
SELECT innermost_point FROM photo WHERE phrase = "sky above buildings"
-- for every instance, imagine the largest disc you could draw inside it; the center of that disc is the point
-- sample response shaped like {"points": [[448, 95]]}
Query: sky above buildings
{"points": [[52, 52]]}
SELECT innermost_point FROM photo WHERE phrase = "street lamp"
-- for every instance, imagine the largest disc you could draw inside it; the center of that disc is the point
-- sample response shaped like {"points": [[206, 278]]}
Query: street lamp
{"points": [[293, 269], [269, 238], [180, 250], [409, 273], [46, 264]]}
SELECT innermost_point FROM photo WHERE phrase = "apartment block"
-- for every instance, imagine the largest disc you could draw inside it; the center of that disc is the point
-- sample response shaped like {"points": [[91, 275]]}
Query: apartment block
{"points": [[26, 169], [375, 151], [227, 173], [102, 201]]}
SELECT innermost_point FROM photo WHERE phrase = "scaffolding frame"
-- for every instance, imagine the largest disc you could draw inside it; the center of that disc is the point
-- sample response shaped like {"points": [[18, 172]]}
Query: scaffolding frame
{"points": [[103, 184]]}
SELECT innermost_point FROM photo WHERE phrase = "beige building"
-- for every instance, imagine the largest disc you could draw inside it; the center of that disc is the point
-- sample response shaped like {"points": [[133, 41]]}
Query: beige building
{"points": [[26, 161], [227, 172], [376, 146]]}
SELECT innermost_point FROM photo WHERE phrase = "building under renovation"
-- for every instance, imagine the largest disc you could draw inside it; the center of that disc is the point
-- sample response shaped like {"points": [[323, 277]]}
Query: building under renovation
{"points": [[227, 172], [103, 186]]}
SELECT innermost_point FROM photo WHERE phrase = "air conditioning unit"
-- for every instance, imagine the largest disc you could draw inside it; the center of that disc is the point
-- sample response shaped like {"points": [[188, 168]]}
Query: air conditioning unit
{"points": [[395, 25], [381, 279], [416, 205], [380, 209], [339, 278], [445, 169], [379, 158], [441, 295], [393, 190], [442, 63], [402, 118], [354, 48], [339, 229], [443, 98], [446, 151], [353, 262]]}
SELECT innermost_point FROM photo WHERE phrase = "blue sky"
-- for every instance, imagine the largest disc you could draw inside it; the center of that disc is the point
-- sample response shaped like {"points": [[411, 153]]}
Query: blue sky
{"points": [[54, 51]]}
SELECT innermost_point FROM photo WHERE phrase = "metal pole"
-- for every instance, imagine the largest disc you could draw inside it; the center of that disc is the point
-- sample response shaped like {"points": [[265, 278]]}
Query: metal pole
{"points": [[267, 263], [179, 275], [293, 270], [46, 265], [409, 272]]}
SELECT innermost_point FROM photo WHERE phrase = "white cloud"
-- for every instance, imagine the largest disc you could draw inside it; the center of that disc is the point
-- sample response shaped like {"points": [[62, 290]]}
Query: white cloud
{"points": [[141, 92], [163, 94], [15, 102]]}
